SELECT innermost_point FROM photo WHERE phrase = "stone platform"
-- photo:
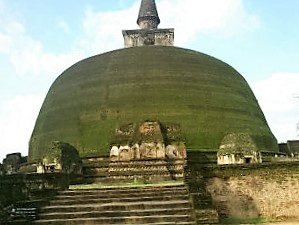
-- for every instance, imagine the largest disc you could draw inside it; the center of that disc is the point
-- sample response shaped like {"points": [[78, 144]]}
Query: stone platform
{"points": [[102, 170]]}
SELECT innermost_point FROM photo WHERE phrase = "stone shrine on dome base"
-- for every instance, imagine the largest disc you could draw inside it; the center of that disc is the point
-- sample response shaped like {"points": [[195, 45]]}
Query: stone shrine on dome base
{"points": [[148, 140]]}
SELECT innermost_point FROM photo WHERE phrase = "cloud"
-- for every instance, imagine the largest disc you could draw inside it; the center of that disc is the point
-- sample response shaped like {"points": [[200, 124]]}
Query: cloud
{"points": [[102, 30], [32, 60], [63, 26], [17, 119], [276, 96], [215, 17], [27, 55]]}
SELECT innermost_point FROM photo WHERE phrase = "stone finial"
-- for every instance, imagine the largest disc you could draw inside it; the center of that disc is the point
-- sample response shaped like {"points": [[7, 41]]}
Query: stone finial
{"points": [[148, 34], [148, 15]]}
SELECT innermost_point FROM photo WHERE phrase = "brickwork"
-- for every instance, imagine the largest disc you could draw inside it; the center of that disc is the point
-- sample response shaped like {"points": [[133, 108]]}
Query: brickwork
{"points": [[163, 37], [269, 191]]}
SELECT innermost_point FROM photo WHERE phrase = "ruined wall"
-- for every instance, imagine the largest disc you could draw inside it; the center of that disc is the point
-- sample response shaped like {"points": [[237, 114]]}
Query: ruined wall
{"points": [[268, 191], [32, 190], [293, 147], [18, 187]]}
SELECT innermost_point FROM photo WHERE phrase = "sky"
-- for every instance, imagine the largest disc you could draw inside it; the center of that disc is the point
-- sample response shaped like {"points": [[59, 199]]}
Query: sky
{"points": [[39, 39]]}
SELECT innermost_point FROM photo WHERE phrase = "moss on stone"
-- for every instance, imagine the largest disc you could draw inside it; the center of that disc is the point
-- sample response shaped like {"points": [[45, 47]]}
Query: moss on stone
{"points": [[60, 152], [207, 97], [238, 143]]}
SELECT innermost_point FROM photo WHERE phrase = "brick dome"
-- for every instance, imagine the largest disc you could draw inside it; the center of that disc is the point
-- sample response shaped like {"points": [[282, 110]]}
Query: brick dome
{"points": [[207, 97]]}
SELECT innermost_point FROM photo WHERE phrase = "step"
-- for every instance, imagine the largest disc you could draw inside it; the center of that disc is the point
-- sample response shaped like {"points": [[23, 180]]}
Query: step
{"points": [[158, 205], [117, 206], [93, 221], [140, 175], [94, 199], [102, 195], [133, 174], [176, 219], [120, 192], [118, 179], [148, 168], [155, 189], [97, 213], [146, 162], [120, 201], [19, 222], [98, 162], [119, 195]]}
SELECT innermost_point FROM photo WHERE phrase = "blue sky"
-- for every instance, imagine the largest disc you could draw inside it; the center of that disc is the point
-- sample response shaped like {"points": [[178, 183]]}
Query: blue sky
{"points": [[40, 39]]}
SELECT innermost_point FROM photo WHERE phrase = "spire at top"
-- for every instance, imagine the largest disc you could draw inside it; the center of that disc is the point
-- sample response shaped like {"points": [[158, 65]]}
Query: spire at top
{"points": [[148, 34], [148, 15]]}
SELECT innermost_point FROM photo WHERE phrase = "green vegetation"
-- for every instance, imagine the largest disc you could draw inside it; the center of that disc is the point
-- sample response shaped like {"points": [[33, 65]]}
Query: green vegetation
{"points": [[207, 97], [60, 152], [136, 183]]}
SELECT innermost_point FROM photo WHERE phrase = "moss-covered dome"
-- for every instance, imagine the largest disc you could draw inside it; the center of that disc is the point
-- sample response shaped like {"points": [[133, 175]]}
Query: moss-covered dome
{"points": [[208, 98]]}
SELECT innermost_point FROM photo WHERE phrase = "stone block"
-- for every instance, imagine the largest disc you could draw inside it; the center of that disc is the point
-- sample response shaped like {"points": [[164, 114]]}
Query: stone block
{"points": [[125, 153]]}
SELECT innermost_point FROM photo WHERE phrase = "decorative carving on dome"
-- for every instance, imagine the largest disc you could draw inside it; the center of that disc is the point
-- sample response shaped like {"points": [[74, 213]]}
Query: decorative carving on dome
{"points": [[147, 140]]}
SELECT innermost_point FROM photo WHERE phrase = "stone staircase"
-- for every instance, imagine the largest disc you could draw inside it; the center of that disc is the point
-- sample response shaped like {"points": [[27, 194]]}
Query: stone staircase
{"points": [[155, 205]]}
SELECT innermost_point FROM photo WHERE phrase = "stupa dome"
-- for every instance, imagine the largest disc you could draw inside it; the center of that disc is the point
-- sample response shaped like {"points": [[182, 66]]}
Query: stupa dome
{"points": [[207, 97]]}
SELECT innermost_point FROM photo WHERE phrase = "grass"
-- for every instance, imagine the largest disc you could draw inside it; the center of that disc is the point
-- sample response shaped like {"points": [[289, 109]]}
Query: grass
{"points": [[124, 185], [207, 97]]}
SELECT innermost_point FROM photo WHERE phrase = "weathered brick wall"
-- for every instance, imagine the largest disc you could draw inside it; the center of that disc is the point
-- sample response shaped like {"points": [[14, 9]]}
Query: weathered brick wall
{"points": [[33, 190], [20, 187], [270, 190]]}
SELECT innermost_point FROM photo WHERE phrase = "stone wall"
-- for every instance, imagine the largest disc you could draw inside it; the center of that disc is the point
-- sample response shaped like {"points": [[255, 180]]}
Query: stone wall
{"points": [[133, 38], [19, 187], [12, 163], [293, 147], [269, 191]]}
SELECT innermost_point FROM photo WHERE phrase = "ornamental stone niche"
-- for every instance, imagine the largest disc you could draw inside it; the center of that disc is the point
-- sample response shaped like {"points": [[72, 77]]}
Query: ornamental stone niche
{"points": [[147, 140], [238, 148], [61, 157]]}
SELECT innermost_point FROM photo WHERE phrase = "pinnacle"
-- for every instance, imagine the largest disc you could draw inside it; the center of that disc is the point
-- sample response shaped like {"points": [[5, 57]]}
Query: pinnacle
{"points": [[148, 14]]}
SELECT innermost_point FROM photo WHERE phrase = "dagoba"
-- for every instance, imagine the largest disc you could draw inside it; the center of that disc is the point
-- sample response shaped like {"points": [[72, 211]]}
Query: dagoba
{"points": [[148, 81]]}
